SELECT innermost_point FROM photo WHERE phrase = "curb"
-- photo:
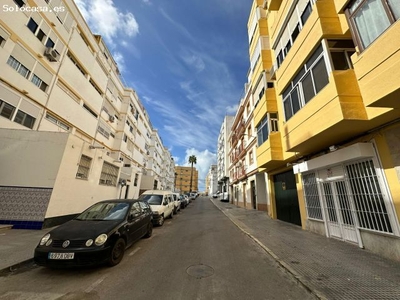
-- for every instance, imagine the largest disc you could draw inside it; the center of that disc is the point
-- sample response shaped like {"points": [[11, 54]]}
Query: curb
{"points": [[283, 264], [8, 270]]}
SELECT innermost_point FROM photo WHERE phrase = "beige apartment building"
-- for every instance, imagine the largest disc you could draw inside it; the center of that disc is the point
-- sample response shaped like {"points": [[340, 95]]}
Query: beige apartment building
{"points": [[71, 133], [182, 180]]}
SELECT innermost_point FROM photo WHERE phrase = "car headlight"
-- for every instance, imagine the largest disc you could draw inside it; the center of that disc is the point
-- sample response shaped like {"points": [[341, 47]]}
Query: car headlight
{"points": [[48, 243], [101, 239], [44, 239], [89, 243]]}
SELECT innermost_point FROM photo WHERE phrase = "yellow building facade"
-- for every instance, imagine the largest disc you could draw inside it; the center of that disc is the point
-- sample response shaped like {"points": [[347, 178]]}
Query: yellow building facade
{"points": [[328, 116], [183, 179]]}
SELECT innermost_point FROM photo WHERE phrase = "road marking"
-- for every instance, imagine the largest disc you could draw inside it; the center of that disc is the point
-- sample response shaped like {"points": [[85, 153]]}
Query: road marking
{"points": [[134, 251], [95, 284]]}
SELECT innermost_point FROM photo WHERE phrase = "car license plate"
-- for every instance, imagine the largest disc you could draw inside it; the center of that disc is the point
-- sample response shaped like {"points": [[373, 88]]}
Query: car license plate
{"points": [[53, 255]]}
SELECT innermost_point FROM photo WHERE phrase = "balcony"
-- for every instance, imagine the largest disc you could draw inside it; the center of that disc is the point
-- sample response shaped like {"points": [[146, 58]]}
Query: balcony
{"points": [[335, 114], [266, 104], [322, 23], [238, 174], [378, 69], [270, 154], [272, 4]]}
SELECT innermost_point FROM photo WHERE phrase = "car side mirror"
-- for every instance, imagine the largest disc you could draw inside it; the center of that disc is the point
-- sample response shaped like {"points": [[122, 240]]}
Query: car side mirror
{"points": [[130, 218], [165, 203]]}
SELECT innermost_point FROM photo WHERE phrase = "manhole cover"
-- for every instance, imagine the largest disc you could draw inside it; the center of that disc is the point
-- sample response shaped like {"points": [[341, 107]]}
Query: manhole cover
{"points": [[200, 271]]}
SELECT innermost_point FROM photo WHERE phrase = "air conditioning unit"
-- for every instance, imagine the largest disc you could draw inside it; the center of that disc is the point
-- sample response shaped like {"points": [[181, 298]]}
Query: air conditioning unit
{"points": [[51, 54], [111, 119]]}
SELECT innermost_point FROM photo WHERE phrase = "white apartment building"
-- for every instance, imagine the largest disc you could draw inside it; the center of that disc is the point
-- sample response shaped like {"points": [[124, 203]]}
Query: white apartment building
{"points": [[212, 180], [222, 154], [71, 133]]}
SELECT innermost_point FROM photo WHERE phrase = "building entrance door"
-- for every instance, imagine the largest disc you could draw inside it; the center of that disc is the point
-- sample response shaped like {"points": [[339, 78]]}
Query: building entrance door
{"points": [[339, 211], [286, 201], [253, 194]]}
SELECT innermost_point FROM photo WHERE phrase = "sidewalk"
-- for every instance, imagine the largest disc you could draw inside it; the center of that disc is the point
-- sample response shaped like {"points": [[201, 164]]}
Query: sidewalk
{"points": [[329, 268], [17, 247]]}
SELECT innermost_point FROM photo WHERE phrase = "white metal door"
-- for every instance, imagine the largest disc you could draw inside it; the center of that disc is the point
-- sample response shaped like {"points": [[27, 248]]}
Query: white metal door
{"points": [[339, 213]]}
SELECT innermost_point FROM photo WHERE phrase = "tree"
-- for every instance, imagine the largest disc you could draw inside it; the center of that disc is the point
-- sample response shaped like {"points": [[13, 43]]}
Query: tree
{"points": [[192, 160]]}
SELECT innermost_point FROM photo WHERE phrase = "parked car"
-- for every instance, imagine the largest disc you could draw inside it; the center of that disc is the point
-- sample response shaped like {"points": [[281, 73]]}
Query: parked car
{"points": [[192, 196], [224, 197], [216, 194], [184, 201], [98, 235], [161, 203], [177, 202]]}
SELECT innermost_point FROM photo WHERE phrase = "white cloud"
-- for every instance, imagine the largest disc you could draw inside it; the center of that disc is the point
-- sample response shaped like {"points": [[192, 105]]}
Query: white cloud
{"points": [[204, 160], [119, 59], [194, 61], [232, 109], [106, 19]]}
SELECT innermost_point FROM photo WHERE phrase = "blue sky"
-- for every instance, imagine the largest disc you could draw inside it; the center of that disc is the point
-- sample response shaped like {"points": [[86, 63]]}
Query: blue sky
{"points": [[187, 61]]}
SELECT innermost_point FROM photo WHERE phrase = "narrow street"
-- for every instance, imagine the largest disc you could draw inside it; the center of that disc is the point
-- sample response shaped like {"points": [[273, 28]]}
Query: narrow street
{"points": [[199, 254]]}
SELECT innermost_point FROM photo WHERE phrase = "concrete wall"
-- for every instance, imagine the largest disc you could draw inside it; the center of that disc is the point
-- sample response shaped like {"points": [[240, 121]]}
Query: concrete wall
{"points": [[30, 158]]}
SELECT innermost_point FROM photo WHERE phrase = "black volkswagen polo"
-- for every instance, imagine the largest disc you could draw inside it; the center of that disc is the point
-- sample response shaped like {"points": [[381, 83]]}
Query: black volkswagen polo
{"points": [[98, 235]]}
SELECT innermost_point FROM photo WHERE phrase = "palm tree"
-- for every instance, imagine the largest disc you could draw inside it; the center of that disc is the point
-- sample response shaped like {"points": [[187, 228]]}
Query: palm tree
{"points": [[192, 160]]}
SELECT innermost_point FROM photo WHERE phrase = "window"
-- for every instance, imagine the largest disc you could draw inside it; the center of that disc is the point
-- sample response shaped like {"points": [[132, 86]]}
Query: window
{"points": [[251, 158], [368, 198], [262, 131], [20, 68], [20, 3], [135, 210], [109, 174], [6, 110], [292, 29], [74, 61], [50, 43], [135, 182], [24, 119], [84, 167], [95, 87], [41, 35], [311, 195], [306, 13], [311, 79], [89, 110], [39, 82], [2, 41], [32, 25], [368, 19], [56, 121], [273, 120], [103, 132]]}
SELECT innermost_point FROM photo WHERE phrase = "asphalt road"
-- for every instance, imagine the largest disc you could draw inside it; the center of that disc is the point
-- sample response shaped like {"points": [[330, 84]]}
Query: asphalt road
{"points": [[199, 254]]}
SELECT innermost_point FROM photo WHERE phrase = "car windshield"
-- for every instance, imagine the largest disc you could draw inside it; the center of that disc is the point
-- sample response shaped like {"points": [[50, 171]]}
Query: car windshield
{"points": [[104, 212], [152, 199]]}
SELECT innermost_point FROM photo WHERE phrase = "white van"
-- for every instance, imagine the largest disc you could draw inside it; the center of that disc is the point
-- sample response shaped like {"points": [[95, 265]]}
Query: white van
{"points": [[161, 203]]}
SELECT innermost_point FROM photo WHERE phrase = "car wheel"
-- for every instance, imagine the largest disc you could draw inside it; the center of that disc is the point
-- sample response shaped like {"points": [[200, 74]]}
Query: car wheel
{"points": [[117, 252], [149, 230], [161, 221]]}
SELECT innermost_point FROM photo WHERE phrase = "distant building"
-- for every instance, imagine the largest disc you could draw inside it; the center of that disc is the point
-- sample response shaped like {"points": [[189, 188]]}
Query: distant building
{"points": [[71, 133], [212, 180], [223, 154], [183, 179]]}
